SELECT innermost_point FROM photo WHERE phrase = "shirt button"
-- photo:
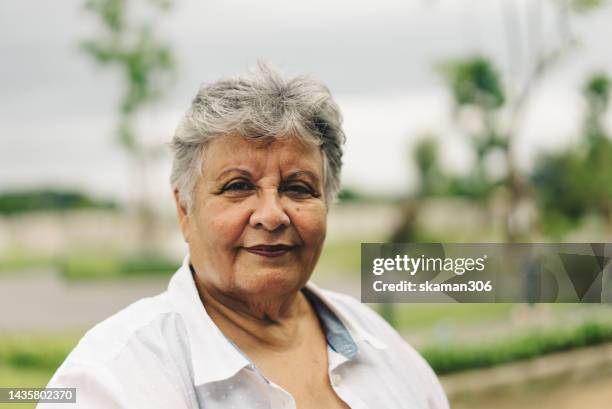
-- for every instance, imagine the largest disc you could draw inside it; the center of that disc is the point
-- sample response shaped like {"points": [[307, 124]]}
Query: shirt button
{"points": [[336, 379]]}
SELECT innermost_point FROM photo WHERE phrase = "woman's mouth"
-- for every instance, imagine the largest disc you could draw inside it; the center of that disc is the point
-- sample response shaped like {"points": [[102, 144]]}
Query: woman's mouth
{"points": [[275, 250]]}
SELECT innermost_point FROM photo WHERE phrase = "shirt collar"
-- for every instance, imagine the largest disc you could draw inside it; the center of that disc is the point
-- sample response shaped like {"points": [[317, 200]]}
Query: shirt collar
{"points": [[204, 335], [356, 331], [343, 334]]}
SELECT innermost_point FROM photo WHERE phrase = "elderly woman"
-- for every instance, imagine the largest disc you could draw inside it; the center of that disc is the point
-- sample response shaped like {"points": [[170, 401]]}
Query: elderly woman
{"points": [[256, 165]]}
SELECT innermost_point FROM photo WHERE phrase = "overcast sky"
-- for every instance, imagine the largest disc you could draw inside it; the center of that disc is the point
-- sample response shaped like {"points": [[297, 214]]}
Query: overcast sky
{"points": [[57, 107]]}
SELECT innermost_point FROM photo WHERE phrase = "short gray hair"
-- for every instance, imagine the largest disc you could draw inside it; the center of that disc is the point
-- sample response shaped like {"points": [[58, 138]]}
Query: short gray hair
{"points": [[262, 104]]}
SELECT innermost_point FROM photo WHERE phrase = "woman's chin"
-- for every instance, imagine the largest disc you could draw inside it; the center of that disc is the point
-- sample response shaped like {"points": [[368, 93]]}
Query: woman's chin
{"points": [[272, 283]]}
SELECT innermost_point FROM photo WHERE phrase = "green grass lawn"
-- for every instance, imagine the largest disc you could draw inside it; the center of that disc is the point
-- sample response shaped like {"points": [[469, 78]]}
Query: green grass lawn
{"points": [[90, 265], [341, 257], [418, 316], [16, 260], [29, 360], [23, 377], [11, 377]]}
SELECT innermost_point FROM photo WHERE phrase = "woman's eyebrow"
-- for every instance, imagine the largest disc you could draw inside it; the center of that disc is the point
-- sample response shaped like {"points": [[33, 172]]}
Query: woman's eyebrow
{"points": [[298, 173], [243, 172]]}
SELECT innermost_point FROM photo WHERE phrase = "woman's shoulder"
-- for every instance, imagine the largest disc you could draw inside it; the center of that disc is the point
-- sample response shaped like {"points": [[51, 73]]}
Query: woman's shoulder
{"points": [[138, 323], [392, 351], [138, 357]]}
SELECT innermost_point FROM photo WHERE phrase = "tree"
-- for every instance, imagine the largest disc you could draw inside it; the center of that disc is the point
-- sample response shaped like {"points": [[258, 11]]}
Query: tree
{"points": [[432, 180], [490, 110], [478, 96], [578, 180], [146, 65]]}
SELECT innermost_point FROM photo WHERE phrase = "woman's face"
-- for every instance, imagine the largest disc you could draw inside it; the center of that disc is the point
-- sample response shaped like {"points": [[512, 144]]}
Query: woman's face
{"points": [[259, 216]]}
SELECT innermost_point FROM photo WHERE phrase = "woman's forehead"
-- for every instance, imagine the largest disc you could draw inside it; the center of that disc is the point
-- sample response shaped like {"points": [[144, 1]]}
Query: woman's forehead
{"points": [[288, 154]]}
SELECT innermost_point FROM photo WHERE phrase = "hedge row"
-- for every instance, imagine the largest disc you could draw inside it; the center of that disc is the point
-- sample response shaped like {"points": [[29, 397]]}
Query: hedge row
{"points": [[449, 359]]}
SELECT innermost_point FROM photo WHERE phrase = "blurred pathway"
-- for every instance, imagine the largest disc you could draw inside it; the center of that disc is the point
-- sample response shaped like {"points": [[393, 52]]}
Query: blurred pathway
{"points": [[42, 300], [596, 394]]}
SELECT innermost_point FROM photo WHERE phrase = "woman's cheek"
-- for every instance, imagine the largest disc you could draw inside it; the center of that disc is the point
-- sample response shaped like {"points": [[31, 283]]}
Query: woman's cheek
{"points": [[314, 226], [228, 220]]}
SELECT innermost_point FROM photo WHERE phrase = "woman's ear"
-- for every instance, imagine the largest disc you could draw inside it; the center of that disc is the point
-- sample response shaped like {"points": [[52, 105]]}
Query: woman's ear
{"points": [[183, 215]]}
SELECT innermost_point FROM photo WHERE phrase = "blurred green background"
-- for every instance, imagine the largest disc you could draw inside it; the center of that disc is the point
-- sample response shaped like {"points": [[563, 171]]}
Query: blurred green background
{"points": [[70, 257]]}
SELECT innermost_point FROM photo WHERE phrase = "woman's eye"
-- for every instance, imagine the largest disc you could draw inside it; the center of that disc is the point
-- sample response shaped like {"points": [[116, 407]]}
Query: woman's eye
{"points": [[239, 186], [300, 190]]}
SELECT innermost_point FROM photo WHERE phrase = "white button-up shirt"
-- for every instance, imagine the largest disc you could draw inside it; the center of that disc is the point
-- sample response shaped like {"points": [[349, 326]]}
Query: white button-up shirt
{"points": [[166, 352]]}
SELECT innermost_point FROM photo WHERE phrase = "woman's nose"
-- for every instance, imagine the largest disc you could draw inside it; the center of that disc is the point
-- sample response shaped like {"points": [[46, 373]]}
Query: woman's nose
{"points": [[269, 212]]}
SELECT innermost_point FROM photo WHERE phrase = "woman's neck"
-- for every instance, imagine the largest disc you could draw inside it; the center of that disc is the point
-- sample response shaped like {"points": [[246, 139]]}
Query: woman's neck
{"points": [[271, 322]]}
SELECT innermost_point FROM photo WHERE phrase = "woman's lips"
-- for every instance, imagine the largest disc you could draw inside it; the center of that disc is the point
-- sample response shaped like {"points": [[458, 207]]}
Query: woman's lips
{"points": [[270, 251]]}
